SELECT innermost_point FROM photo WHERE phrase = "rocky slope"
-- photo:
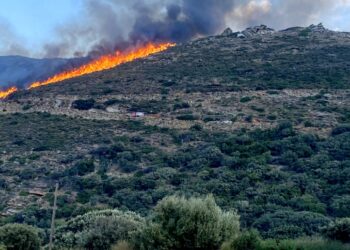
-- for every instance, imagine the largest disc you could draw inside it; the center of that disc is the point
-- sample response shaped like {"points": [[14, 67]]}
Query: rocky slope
{"points": [[311, 57], [213, 74]]}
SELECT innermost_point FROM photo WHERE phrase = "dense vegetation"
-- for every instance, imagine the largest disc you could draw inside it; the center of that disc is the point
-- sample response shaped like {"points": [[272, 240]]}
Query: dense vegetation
{"points": [[175, 223], [276, 162], [281, 181], [19, 237]]}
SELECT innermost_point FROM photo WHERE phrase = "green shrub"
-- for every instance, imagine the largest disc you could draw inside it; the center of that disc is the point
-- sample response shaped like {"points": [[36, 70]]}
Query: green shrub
{"points": [[272, 117], [246, 99], [27, 107], [302, 244], [83, 167], [187, 117], [83, 104], [340, 206], [246, 241], [272, 92], [308, 124], [196, 127], [98, 229], [194, 223], [340, 230], [181, 105], [288, 224], [305, 32], [248, 118], [257, 109], [19, 237], [341, 129]]}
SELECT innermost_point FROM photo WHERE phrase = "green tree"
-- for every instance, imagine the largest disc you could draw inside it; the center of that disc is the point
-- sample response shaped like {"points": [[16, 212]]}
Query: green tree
{"points": [[249, 240], [19, 237], [289, 224], [98, 229], [180, 223], [341, 206], [340, 230]]}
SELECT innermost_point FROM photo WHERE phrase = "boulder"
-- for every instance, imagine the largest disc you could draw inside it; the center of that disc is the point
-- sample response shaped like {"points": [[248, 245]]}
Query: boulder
{"points": [[258, 30], [227, 32], [317, 28]]}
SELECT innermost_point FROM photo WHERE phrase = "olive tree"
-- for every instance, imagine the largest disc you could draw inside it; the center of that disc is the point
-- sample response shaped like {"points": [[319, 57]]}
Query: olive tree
{"points": [[19, 237], [180, 223]]}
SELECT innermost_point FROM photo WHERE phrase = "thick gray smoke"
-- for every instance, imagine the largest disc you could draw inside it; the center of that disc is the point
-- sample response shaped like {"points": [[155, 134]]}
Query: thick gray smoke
{"points": [[106, 25], [103, 26], [116, 24], [181, 20], [284, 13]]}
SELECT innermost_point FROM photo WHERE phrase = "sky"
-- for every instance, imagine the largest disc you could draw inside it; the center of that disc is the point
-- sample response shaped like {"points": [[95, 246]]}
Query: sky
{"points": [[70, 28], [32, 23]]}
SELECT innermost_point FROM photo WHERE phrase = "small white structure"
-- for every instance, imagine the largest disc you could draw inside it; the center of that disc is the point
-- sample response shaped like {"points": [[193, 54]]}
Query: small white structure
{"points": [[113, 109], [137, 114], [227, 122], [240, 35]]}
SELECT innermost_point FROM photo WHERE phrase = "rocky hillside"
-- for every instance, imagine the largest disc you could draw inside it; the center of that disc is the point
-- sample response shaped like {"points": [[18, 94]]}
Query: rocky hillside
{"points": [[257, 58], [260, 118], [260, 73]]}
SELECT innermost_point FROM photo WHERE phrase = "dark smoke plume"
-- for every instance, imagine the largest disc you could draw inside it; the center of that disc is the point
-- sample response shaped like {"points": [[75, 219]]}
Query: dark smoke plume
{"points": [[103, 26], [182, 21], [115, 24], [107, 25]]}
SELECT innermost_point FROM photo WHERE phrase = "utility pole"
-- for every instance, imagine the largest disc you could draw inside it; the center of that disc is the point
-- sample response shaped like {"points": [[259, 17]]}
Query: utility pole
{"points": [[53, 217]]}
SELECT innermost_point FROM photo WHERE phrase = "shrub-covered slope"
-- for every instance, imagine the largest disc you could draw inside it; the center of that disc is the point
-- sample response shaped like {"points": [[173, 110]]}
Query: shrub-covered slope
{"points": [[214, 120]]}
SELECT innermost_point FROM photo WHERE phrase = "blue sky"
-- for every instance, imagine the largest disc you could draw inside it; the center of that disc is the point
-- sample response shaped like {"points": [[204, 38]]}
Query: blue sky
{"points": [[27, 26], [35, 20]]}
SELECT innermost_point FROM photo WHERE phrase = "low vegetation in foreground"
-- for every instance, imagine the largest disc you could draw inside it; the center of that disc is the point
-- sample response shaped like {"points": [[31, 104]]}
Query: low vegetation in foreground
{"points": [[283, 183], [176, 223]]}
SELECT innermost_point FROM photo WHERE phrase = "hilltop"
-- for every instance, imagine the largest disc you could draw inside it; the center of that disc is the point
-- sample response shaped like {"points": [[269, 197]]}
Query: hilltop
{"points": [[257, 58], [259, 118]]}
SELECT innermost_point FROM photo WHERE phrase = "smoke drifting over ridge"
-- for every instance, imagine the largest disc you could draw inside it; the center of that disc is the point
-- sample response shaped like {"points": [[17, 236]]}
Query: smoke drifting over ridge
{"points": [[116, 24], [280, 14], [103, 26]]}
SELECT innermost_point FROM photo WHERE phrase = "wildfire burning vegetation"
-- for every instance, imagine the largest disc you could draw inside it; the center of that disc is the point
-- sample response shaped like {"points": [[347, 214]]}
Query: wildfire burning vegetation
{"points": [[5, 93], [99, 64], [105, 62]]}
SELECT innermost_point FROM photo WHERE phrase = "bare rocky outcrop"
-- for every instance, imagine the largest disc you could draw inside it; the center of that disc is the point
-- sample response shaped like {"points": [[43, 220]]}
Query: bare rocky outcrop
{"points": [[258, 30], [317, 28], [227, 32]]}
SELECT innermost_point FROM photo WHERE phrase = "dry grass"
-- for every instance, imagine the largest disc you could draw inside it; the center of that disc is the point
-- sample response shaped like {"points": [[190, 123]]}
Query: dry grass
{"points": [[122, 245]]}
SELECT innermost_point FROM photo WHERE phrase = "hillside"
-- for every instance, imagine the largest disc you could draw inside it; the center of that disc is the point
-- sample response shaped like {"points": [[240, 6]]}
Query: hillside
{"points": [[258, 118], [20, 71], [295, 58]]}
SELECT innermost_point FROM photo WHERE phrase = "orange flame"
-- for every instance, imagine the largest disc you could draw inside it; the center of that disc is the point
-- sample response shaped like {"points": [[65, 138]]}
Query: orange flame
{"points": [[5, 93], [105, 62], [102, 63]]}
